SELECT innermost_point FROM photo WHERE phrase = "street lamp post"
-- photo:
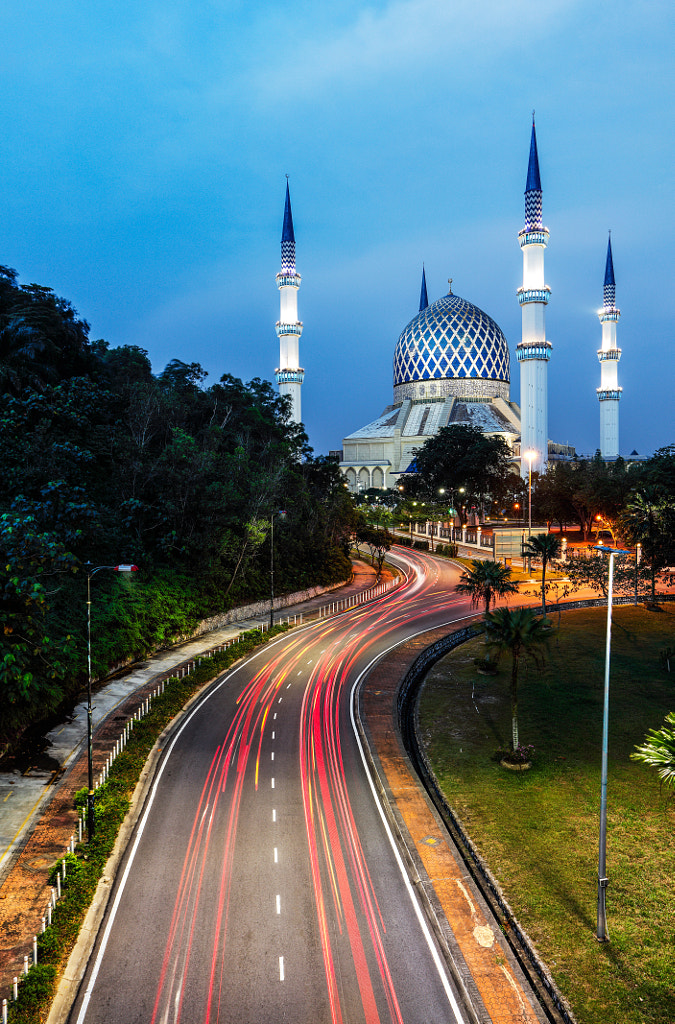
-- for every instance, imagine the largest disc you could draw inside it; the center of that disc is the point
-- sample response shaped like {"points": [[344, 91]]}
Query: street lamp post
{"points": [[601, 930], [529, 455], [282, 513], [91, 571]]}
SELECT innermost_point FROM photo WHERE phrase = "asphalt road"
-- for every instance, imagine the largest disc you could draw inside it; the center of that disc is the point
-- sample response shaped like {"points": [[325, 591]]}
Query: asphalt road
{"points": [[261, 883]]}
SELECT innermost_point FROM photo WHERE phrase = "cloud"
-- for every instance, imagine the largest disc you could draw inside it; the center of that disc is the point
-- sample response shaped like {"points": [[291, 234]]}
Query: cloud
{"points": [[411, 34]]}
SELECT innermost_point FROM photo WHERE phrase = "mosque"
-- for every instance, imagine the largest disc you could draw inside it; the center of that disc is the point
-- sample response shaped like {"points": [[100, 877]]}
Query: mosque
{"points": [[452, 366]]}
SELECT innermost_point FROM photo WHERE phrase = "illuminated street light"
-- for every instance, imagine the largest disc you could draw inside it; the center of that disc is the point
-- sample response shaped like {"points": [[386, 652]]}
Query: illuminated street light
{"points": [[601, 931], [530, 456], [91, 571]]}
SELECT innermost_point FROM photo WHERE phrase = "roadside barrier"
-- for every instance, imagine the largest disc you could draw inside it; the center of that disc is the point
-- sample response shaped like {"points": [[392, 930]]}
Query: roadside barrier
{"points": [[336, 607]]}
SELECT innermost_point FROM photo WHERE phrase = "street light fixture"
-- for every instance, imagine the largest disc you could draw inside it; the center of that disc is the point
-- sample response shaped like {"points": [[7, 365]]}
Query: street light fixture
{"points": [[601, 930], [91, 571], [280, 512]]}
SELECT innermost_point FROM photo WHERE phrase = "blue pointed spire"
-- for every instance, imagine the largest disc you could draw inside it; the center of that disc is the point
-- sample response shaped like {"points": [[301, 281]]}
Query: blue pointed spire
{"points": [[609, 289], [533, 219], [287, 230], [533, 179], [424, 300], [287, 237]]}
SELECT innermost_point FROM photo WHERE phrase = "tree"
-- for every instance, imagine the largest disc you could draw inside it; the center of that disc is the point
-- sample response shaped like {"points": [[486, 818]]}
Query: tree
{"points": [[379, 542], [522, 635], [547, 547], [486, 582], [459, 456], [648, 518], [658, 750]]}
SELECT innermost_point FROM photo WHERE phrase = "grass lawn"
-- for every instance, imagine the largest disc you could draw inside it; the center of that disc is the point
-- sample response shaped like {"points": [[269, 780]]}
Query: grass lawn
{"points": [[538, 830]]}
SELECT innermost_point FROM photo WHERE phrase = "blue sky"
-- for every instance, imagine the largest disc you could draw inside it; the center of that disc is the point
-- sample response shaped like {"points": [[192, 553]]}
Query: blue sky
{"points": [[144, 149]]}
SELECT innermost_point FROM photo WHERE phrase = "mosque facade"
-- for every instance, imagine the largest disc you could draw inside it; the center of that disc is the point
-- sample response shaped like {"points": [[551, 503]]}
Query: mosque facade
{"points": [[452, 366]]}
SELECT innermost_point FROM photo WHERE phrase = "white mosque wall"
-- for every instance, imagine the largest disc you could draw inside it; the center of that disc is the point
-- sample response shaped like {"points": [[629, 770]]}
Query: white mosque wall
{"points": [[609, 428], [534, 413]]}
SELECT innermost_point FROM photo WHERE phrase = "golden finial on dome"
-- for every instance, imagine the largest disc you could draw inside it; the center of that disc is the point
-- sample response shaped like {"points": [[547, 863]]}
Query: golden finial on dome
{"points": [[450, 288]]}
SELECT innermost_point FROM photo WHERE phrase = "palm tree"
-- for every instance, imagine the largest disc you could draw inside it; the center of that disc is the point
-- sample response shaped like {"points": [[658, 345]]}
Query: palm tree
{"points": [[647, 518], [547, 547], [486, 582], [522, 634], [658, 750]]}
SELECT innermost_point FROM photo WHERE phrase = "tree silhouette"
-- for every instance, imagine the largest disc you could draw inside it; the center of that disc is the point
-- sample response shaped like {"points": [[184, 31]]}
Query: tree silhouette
{"points": [[522, 635]]}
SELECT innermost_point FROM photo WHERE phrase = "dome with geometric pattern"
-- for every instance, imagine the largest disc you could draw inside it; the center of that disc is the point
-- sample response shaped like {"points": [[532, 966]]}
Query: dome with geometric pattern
{"points": [[451, 348]]}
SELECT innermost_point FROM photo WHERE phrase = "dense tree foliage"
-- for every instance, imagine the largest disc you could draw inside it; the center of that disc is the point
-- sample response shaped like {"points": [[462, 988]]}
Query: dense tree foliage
{"points": [[102, 461], [458, 457]]}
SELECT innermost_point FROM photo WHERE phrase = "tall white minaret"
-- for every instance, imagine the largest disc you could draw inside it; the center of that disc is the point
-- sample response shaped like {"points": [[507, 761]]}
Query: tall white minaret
{"points": [[534, 350], [609, 391], [289, 373]]}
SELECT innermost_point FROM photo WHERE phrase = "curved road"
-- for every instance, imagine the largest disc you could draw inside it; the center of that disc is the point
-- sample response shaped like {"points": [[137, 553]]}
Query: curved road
{"points": [[261, 883]]}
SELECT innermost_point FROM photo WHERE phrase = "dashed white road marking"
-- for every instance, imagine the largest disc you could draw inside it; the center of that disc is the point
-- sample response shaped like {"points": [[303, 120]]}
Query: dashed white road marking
{"points": [[278, 904], [272, 755], [276, 855], [281, 968], [272, 782], [273, 734], [274, 814]]}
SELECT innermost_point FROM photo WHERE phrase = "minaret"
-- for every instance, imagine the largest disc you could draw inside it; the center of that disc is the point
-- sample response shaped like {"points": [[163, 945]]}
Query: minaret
{"points": [[609, 392], [289, 374], [534, 350], [424, 299]]}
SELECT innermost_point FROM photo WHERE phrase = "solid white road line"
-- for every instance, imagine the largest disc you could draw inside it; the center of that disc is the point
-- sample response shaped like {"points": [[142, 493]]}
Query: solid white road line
{"points": [[435, 955]]}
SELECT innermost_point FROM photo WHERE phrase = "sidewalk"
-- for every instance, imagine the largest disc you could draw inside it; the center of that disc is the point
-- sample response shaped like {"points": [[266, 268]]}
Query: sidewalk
{"points": [[37, 812]]}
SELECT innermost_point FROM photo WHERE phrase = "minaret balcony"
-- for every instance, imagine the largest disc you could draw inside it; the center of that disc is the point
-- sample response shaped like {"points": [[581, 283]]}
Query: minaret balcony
{"points": [[609, 394], [609, 353], [283, 329], [530, 237], [290, 376], [609, 313], [533, 350], [288, 280], [534, 295]]}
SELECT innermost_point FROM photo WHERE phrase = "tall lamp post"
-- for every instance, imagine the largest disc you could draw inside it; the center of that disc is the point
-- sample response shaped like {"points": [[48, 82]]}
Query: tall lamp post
{"points": [[91, 571], [601, 931], [282, 513], [529, 455]]}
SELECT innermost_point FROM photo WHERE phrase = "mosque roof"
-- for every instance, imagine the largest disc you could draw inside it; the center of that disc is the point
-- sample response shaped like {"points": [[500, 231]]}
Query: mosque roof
{"points": [[383, 426], [483, 415], [451, 339]]}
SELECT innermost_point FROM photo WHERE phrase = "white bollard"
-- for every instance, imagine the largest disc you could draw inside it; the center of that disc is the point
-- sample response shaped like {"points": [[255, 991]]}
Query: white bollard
{"points": [[4, 1011], [58, 885], [15, 989], [53, 898], [25, 964], [35, 949], [43, 925], [49, 914], [79, 829]]}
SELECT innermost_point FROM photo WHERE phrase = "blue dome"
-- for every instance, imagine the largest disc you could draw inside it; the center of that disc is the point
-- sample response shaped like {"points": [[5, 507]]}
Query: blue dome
{"points": [[452, 340]]}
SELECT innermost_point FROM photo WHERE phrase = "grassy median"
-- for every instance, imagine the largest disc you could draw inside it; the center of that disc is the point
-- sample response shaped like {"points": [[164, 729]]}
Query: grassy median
{"points": [[538, 830]]}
